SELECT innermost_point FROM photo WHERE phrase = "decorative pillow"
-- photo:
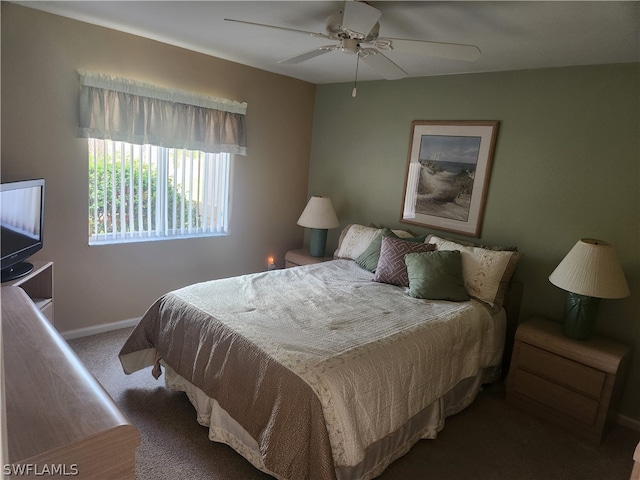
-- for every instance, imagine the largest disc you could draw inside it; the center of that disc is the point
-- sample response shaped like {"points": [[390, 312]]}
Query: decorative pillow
{"points": [[486, 272], [471, 244], [369, 258], [355, 239], [391, 267], [436, 275]]}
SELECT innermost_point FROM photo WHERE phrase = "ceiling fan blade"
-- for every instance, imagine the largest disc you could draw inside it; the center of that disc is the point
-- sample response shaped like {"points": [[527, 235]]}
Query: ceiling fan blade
{"points": [[309, 55], [456, 51], [381, 64], [310, 34], [359, 18]]}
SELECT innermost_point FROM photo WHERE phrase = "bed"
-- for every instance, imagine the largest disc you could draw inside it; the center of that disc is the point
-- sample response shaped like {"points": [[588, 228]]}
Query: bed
{"points": [[334, 370]]}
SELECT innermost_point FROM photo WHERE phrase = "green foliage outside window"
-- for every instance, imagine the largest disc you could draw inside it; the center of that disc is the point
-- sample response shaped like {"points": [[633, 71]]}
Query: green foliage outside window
{"points": [[143, 178]]}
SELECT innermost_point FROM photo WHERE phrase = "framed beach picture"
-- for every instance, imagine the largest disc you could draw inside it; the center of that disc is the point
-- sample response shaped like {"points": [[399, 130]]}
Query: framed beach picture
{"points": [[447, 174]]}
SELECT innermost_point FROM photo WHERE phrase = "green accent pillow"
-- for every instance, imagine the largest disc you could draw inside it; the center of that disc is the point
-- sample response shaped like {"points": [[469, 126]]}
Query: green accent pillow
{"points": [[436, 275], [370, 257]]}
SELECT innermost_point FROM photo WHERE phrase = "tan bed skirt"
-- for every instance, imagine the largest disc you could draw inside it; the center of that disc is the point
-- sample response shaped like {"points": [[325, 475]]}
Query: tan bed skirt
{"points": [[425, 425]]}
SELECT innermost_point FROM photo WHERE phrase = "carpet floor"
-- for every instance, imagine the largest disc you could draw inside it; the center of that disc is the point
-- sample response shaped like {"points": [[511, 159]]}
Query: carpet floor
{"points": [[490, 440]]}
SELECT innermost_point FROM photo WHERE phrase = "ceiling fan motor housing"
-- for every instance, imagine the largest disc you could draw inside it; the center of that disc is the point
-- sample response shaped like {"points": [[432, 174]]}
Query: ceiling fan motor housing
{"points": [[335, 29]]}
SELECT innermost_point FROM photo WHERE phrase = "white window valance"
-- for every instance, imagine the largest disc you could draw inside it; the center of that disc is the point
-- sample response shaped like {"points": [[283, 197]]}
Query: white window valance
{"points": [[144, 114]]}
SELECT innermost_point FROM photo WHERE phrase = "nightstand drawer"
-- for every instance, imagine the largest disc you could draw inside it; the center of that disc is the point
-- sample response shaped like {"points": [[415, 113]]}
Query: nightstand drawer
{"points": [[561, 370], [571, 403]]}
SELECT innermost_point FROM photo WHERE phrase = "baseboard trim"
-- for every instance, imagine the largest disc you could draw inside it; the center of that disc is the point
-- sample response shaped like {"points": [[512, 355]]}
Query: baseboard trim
{"points": [[628, 422], [102, 328]]}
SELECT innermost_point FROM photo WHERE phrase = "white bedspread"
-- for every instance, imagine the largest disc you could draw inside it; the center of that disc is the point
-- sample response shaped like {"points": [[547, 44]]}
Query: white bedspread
{"points": [[374, 355]]}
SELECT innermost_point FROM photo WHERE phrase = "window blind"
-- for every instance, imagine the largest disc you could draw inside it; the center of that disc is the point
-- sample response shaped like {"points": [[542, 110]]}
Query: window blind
{"points": [[141, 193]]}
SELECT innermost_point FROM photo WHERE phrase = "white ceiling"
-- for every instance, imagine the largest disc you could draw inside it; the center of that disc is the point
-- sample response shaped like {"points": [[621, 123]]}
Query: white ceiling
{"points": [[511, 35]]}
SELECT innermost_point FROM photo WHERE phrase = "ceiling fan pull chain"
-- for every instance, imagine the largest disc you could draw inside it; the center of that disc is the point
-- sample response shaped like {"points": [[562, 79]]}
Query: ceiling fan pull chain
{"points": [[355, 82]]}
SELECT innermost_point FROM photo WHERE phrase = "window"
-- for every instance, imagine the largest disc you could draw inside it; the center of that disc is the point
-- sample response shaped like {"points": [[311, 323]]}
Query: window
{"points": [[145, 192], [158, 159]]}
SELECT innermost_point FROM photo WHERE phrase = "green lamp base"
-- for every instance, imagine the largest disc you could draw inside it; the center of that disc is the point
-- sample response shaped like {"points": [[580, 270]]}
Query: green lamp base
{"points": [[580, 316], [317, 242]]}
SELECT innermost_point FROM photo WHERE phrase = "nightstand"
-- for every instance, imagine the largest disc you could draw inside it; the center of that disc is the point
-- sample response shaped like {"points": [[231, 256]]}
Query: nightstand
{"points": [[295, 258], [575, 384]]}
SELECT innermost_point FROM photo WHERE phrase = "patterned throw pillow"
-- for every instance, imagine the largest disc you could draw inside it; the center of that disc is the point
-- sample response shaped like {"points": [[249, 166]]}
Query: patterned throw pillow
{"points": [[370, 257], [391, 267]]}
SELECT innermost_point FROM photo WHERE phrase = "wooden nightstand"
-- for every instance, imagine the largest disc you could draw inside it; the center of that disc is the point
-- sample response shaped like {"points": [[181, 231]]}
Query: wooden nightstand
{"points": [[295, 258], [576, 384]]}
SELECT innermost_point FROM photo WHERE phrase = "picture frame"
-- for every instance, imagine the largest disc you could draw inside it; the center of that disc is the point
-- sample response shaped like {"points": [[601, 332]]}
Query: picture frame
{"points": [[447, 174]]}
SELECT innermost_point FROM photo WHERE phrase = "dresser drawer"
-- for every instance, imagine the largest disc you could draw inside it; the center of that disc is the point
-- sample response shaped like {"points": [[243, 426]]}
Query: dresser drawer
{"points": [[568, 373], [557, 397]]}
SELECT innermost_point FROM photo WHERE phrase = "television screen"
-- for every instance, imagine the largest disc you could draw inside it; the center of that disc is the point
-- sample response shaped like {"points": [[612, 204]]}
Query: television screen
{"points": [[21, 221]]}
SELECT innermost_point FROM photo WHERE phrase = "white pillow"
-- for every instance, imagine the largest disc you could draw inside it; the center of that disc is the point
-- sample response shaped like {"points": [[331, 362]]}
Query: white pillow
{"points": [[355, 239], [486, 272]]}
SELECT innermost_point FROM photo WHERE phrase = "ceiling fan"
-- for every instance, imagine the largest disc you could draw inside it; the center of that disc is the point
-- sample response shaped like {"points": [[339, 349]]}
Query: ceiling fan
{"points": [[356, 29]]}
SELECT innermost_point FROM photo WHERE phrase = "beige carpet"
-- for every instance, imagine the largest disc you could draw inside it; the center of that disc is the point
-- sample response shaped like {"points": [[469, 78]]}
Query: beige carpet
{"points": [[490, 440]]}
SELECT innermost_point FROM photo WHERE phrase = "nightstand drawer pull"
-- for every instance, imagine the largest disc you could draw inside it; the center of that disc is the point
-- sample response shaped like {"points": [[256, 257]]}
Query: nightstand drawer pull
{"points": [[561, 370], [556, 397]]}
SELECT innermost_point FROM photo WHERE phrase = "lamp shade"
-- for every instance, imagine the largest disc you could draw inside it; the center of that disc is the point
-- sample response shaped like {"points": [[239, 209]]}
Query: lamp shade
{"points": [[319, 213], [591, 268]]}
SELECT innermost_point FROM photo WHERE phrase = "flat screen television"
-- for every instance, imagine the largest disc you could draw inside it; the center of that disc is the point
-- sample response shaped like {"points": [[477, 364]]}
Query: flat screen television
{"points": [[22, 222]]}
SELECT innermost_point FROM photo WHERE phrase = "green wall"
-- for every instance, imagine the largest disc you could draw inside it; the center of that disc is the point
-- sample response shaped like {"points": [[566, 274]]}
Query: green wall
{"points": [[566, 166]]}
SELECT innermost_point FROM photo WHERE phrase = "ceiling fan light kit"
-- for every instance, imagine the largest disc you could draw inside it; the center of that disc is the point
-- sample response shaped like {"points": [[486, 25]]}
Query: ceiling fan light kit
{"points": [[356, 27], [349, 45]]}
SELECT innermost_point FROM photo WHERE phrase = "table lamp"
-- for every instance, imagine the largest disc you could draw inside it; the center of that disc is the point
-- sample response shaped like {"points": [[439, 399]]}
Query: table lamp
{"points": [[590, 271], [319, 216]]}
